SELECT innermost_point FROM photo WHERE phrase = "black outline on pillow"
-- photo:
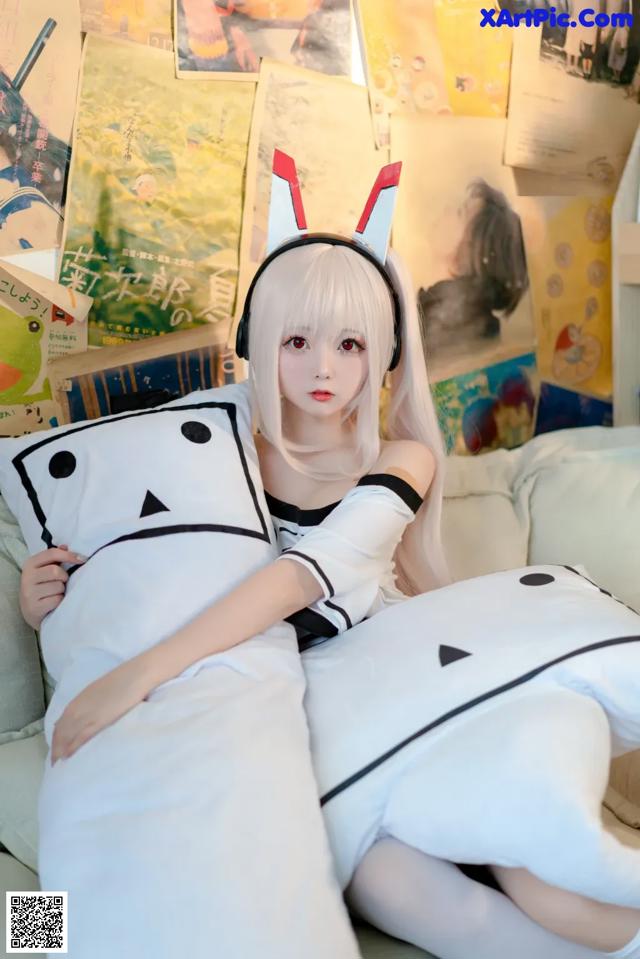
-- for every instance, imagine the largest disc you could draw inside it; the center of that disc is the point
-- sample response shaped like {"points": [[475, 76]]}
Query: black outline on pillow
{"points": [[506, 687], [351, 780], [231, 411]]}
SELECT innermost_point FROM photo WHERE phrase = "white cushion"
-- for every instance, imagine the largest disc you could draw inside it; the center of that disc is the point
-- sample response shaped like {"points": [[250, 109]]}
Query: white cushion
{"points": [[22, 765], [481, 531], [476, 723]]}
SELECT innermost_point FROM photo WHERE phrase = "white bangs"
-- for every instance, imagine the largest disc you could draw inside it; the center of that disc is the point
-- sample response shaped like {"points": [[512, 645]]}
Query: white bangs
{"points": [[337, 292]]}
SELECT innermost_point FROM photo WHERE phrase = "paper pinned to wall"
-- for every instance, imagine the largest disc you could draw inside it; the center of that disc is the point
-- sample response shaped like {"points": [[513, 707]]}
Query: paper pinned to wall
{"points": [[216, 40], [324, 124], [457, 226], [143, 21], [431, 56], [39, 320], [40, 58], [568, 243], [155, 205], [570, 111], [489, 408]]}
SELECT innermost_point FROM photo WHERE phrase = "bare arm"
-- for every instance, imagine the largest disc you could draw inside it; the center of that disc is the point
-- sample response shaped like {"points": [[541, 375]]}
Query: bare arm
{"points": [[265, 598]]}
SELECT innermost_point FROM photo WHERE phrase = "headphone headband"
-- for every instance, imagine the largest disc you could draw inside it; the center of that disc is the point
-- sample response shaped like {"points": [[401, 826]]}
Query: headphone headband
{"points": [[333, 239]]}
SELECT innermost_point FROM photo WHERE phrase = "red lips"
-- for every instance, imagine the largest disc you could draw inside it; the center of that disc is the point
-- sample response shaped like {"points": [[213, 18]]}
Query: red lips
{"points": [[321, 395]]}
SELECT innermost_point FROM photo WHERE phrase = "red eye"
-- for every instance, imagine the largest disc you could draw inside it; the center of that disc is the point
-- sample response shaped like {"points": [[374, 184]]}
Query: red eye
{"points": [[298, 342], [348, 345]]}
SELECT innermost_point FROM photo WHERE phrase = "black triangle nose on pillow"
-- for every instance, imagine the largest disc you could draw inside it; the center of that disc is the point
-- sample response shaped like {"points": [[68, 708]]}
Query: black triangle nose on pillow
{"points": [[152, 505]]}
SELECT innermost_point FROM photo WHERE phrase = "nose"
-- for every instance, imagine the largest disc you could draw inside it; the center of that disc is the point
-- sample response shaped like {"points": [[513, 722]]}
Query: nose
{"points": [[323, 362]]}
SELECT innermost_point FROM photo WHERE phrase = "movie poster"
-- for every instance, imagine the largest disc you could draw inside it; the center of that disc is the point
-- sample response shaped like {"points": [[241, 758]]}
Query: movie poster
{"points": [[229, 39], [143, 21], [488, 408], [431, 56], [325, 125], [458, 227], [573, 106], [39, 63], [39, 320], [568, 243], [155, 205]]}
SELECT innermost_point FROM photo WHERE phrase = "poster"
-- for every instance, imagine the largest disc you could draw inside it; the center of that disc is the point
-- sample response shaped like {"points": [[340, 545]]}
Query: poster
{"points": [[137, 376], [228, 39], [143, 21], [568, 243], [458, 228], [490, 408], [431, 56], [155, 205], [573, 105], [325, 125], [560, 409], [39, 63], [39, 320]]}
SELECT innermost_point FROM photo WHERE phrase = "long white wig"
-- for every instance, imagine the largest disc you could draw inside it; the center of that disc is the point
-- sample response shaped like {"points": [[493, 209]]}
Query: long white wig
{"points": [[332, 288]]}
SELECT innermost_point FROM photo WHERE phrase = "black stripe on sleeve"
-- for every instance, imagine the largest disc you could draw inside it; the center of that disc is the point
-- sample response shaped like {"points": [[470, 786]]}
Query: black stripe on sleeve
{"points": [[316, 566], [397, 485], [340, 610]]}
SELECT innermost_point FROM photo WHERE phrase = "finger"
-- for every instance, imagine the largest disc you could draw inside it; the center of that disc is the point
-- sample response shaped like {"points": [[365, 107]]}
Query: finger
{"points": [[78, 740], [55, 555], [47, 590], [50, 574], [47, 603]]}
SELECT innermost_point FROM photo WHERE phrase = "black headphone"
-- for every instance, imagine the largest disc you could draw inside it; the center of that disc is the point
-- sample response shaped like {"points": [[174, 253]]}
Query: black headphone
{"points": [[242, 335]]}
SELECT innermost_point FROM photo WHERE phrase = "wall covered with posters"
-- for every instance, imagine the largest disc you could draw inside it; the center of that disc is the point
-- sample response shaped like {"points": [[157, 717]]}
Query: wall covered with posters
{"points": [[157, 199]]}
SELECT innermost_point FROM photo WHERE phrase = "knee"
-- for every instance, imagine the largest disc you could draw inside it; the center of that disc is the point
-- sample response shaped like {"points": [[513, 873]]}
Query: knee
{"points": [[595, 925]]}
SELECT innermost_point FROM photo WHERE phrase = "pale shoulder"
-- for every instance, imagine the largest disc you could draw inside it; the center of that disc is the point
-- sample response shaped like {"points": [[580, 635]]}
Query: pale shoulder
{"points": [[411, 460]]}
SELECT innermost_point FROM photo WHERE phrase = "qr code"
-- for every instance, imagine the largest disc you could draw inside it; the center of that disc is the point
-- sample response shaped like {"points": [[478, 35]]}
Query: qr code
{"points": [[36, 922]]}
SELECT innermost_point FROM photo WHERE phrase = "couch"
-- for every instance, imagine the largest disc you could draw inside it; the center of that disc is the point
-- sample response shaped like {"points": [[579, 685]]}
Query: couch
{"points": [[570, 497]]}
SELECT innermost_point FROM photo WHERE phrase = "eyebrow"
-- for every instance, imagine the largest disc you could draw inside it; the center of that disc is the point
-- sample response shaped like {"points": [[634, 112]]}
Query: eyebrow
{"points": [[300, 328]]}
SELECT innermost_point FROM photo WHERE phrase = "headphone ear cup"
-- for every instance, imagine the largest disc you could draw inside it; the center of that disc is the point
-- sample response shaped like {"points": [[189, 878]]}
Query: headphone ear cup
{"points": [[242, 338]]}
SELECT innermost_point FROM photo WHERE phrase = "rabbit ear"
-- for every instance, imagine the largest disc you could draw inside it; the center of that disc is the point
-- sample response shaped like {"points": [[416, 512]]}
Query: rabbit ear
{"points": [[374, 228], [286, 213]]}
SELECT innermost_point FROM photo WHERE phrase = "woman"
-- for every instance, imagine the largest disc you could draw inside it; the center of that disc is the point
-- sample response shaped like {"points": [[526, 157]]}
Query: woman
{"points": [[321, 338]]}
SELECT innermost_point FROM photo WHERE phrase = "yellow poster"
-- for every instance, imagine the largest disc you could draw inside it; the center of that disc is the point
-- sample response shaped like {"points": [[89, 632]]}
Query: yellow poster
{"points": [[568, 243], [431, 56], [39, 320], [143, 21], [325, 125], [155, 194], [39, 63]]}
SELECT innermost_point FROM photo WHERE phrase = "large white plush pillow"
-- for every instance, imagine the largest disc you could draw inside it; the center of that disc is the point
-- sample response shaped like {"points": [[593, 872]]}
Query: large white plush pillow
{"points": [[167, 496], [477, 722], [212, 769]]}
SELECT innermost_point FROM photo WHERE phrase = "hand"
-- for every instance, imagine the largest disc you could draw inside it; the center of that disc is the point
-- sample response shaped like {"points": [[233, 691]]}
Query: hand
{"points": [[43, 583], [99, 705]]}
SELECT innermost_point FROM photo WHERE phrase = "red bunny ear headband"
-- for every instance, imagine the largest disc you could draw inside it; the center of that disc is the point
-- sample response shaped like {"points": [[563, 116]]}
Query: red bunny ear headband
{"points": [[288, 229]]}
